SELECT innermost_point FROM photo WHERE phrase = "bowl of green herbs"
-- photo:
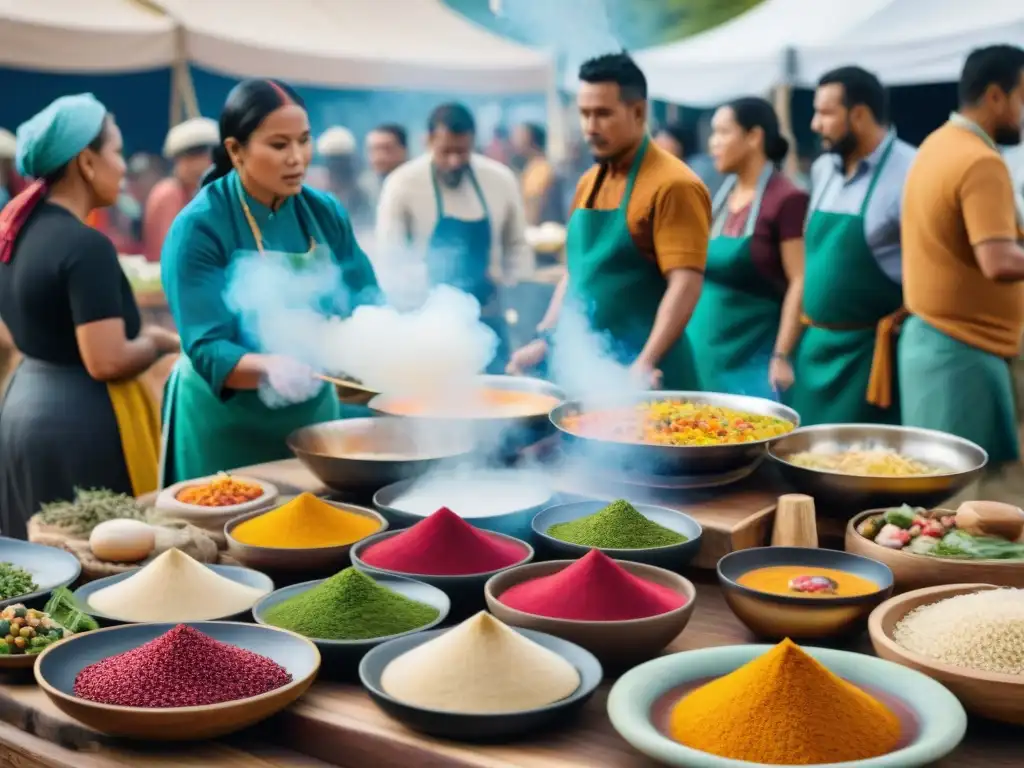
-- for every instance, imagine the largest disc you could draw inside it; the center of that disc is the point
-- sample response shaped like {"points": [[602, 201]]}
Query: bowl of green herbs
{"points": [[29, 572], [351, 612], [640, 533], [75, 518]]}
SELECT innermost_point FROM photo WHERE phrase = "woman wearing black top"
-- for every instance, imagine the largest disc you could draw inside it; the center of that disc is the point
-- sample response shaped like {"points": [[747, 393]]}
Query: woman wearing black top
{"points": [[74, 414]]}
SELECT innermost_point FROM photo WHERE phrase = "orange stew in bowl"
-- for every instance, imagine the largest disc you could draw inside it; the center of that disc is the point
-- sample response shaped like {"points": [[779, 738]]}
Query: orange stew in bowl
{"points": [[223, 491], [486, 403]]}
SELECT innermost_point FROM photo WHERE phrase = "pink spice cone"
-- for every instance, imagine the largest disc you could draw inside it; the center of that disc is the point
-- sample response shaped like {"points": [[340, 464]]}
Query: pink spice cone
{"points": [[594, 588], [443, 544]]}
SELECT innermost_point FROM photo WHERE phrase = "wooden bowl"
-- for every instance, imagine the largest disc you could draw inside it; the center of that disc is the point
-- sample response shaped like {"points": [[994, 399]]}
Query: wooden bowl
{"points": [[303, 560], [774, 616], [212, 518], [912, 571], [987, 694], [59, 665], [673, 556], [616, 644]]}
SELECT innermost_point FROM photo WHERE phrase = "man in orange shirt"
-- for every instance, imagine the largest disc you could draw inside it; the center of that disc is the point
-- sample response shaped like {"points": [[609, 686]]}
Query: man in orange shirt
{"points": [[637, 237], [963, 264], [188, 145]]}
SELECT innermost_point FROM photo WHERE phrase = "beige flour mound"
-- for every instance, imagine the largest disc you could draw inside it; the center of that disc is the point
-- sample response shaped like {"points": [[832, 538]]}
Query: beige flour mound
{"points": [[480, 667], [174, 587]]}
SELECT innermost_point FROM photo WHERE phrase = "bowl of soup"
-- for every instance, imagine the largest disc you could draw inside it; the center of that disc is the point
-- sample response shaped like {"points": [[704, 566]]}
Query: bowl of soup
{"points": [[802, 593]]}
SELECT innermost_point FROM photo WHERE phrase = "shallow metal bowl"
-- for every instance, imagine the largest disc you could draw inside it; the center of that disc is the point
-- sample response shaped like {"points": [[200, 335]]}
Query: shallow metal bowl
{"points": [[331, 451], [670, 459], [834, 492]]}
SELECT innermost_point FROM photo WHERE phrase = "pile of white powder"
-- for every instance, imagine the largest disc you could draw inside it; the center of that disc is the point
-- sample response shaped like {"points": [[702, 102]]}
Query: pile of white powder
{"points": [[983, 631]]}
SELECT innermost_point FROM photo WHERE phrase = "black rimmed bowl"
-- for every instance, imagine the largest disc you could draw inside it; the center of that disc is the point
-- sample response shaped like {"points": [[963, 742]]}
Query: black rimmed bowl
{"points": [[49, 568], [59, 665], [673, 557], [245, 576], [308, 560], [530, 493], [465, 591], [463, 727], [342, 656], [774, 616], [839, 494]]}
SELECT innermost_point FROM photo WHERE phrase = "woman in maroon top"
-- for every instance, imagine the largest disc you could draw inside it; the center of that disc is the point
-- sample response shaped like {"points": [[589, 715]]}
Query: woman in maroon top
{"points": [[747, 321]]}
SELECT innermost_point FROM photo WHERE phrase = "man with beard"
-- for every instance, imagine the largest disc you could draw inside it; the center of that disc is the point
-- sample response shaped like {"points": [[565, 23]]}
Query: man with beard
{"points": [[853, 297], [637, 237], [453, 217], [964, 265]]}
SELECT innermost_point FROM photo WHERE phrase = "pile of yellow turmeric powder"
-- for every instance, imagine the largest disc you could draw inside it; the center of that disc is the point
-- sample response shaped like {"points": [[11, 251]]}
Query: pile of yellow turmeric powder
{"points": [[785, 708], [305, 522]]}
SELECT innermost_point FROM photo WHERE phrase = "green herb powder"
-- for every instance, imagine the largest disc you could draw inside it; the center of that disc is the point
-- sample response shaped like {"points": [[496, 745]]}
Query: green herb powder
{"points": [[617, 526], [350, 606], [15, 581]]}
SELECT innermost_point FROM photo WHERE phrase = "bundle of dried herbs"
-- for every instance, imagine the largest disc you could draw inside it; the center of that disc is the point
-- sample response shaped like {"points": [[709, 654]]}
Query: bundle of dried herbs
{"points": [[89, 508]]}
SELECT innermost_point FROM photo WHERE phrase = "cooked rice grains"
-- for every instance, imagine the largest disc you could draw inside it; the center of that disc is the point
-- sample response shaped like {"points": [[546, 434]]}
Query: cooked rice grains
{"points": [[983, 631]]}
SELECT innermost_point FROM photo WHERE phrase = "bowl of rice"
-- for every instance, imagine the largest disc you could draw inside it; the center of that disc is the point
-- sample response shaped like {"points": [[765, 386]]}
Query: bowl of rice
{"points": [[969, 637], [851, 467]]}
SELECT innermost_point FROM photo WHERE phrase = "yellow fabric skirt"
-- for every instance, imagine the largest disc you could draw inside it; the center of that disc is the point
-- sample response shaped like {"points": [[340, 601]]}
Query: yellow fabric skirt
{"points": [[138, 422]]}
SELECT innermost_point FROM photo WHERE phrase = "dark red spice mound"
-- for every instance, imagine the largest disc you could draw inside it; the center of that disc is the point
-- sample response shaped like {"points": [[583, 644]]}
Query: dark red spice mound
{"points": [[181, 668], [594, 588], [443, 545]]}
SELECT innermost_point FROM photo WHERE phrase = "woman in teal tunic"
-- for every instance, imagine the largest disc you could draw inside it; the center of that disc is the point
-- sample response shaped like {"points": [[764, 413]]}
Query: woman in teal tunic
{"points": [[747, 321], [217, 415]]}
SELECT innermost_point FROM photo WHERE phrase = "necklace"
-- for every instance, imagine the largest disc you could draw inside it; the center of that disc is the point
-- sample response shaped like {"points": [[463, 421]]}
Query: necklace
{"points": [[255, 228]]}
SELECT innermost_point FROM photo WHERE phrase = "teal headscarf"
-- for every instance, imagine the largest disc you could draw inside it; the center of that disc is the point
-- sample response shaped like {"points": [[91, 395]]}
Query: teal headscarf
{"points": [[50, 139]]}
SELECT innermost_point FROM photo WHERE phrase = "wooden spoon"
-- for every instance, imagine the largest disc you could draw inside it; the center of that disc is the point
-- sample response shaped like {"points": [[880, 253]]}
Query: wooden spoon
{"points": [[345, 383]]}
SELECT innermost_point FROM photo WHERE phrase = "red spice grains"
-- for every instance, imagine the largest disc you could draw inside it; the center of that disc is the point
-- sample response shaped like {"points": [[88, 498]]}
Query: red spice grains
{"points": [[181, 668], [594, 588], [443, 544]]}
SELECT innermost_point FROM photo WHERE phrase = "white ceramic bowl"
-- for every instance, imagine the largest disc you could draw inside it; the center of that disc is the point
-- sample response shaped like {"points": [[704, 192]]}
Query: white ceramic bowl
{"points": [[212, 518]]}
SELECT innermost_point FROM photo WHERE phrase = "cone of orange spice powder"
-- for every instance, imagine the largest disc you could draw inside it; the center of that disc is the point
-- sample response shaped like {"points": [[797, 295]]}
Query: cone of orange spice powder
{"points": [[784, 708]]}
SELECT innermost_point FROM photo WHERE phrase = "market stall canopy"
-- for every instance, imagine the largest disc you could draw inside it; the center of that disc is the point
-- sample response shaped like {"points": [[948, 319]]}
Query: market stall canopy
{"points": [[358, 44], [911, 42], [753, 52], [108, 36]]}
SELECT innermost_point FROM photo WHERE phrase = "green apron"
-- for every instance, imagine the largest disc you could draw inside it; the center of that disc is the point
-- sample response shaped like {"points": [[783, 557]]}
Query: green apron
{"points": [[939, 377], [618, 286], [203, 434], [846, 296], [736, 321]]}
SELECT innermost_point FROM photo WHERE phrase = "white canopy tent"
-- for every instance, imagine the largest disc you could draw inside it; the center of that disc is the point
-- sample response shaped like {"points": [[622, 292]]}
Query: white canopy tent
{"points": [[364, 44], [911, 42], [101, 36], [751, 53]]}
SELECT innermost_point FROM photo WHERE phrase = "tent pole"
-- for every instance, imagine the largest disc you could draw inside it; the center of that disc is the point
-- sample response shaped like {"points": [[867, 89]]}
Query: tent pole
{"points": [[783, 102]]}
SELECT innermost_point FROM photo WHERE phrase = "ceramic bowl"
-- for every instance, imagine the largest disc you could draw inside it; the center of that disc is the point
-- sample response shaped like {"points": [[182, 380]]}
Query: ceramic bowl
{"points": [[838, 494], [674, 557], [987, 694], [912, 571], [49, 567], [801, 618], [292, 559], [212, 518], [344, 655], [460, 727], [466, 592], [59, 665], [246, 576], [526, 496], [940, 719], [336, 451], [616, 644]]}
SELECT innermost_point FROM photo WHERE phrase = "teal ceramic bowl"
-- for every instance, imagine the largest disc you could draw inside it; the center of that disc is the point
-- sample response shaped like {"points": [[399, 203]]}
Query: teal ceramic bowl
{"points": [[940, 719]]}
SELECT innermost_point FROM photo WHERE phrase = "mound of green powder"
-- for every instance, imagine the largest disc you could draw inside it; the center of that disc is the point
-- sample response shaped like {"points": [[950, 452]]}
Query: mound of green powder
{"points": [[617, 526], [350, 606]]}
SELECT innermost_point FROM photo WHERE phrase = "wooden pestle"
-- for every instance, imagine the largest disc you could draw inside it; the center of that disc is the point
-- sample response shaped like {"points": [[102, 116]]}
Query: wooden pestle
{"points": [[795, 525]]}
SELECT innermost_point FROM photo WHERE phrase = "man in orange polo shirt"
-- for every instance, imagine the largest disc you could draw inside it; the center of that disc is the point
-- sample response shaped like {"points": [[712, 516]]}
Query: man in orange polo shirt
{"points": [[963, 265], [637, 237]]}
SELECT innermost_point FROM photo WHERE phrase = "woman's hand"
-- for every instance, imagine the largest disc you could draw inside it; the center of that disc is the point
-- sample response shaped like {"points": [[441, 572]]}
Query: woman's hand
{"points": [[780, 373], [527, 357], [286, 381], [166, 342]]}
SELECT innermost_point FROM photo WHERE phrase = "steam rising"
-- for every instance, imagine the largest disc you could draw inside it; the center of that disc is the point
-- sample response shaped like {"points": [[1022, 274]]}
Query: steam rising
{"points": [[581, 360]]}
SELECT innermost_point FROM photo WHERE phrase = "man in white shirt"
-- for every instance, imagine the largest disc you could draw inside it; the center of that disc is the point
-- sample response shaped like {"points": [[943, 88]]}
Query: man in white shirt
{"points": [[453, 217]]}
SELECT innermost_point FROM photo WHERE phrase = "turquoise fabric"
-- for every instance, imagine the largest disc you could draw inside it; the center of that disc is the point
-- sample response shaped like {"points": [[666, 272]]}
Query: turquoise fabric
{"points": [[50, 139], [208, 428]]}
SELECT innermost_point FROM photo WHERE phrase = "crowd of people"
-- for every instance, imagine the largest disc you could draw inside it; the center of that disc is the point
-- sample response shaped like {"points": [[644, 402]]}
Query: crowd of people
{"points": [[890, 293]]}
